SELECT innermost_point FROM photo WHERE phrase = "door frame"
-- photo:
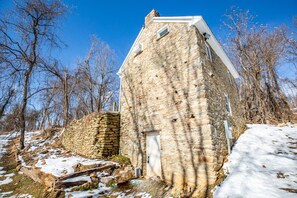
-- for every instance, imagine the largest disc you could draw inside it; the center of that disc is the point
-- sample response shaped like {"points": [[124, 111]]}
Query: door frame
{"points": [[152, 133]]}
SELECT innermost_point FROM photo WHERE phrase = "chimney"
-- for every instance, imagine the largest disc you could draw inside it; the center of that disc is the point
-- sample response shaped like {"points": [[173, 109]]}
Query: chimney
{"points": [[150, 16]]}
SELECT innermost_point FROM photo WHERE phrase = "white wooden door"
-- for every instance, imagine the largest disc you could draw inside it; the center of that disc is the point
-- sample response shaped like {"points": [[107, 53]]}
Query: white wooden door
{"points": [[153, 155]]}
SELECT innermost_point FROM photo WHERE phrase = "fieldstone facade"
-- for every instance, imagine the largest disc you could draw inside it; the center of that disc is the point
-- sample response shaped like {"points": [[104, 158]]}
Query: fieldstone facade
{"points": [[95, 135], [172, 88]]}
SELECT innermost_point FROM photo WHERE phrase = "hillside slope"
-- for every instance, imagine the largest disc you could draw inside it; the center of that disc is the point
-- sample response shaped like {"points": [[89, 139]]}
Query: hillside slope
{"points": [[263, 163]]}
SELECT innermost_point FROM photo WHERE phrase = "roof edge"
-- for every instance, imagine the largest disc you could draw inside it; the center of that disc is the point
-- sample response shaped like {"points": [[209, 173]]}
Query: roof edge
{"points": [[212, 41], [131, 49], [201, 25]]}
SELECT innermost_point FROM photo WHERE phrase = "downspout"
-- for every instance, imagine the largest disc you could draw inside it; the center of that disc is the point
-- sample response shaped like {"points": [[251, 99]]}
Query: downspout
{"points": [[228, 136], [120, 92]]}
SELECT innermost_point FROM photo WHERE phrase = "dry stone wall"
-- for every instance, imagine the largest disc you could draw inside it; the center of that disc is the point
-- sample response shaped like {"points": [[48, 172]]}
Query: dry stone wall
{"points": [[94, 136]]}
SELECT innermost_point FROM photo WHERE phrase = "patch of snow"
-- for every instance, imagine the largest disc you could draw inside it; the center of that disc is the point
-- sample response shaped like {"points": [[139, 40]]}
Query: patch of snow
{"points": [[102, 189], [89, 162], [7, 180], [140, 194], [5, 194], [32, 148], [143, 195], [22, 161], [136, 181], [80, 178], [22, 196], [60, 166], [4, 141], [102, 174], [2, 171], [263, 160]]}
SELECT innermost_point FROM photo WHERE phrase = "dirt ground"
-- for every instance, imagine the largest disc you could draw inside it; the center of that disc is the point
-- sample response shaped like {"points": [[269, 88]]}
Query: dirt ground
{"points": [[20, 184]]}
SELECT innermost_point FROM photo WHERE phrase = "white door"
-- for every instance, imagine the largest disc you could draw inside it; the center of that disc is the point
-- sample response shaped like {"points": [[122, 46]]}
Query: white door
{"points": [[153, 160]]}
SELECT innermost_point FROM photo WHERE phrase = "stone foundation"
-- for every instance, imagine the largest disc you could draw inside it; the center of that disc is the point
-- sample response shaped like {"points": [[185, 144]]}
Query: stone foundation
{"points": [[94, 136]]}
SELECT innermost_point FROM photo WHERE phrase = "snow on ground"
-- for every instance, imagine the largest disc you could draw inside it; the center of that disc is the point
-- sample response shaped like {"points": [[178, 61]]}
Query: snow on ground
{"points": [[53, 160], [7, 179], [102, 189], [57, 162], [263, 163], [60, 166], [141, 194], [4, 141], [8, 194]]}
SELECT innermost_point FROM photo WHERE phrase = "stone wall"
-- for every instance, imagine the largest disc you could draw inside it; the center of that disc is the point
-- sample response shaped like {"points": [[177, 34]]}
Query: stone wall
{"points": [[219, 83], [168, 88], [95, 135]]}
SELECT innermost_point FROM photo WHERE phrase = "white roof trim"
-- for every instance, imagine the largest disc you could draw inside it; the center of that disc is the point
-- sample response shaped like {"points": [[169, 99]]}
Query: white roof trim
{"points": [[130, 51], [201, 25], [212, 41]]}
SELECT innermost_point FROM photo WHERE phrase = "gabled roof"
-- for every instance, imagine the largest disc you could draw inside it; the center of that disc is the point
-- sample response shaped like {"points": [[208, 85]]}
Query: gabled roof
{"points": [[202, 27]]}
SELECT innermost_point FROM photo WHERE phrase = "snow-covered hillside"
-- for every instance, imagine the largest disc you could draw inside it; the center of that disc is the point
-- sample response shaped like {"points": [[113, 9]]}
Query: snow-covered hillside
{"points": [[263, 163]]}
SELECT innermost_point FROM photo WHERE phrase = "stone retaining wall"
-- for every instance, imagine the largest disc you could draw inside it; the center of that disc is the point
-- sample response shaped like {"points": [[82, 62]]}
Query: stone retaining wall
{"points": [[94, 136]]}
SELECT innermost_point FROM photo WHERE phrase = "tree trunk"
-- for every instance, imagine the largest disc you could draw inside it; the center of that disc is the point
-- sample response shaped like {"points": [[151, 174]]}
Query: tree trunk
{"points": [[24, 108], [91, 88], [6, 102], [66, 101]]}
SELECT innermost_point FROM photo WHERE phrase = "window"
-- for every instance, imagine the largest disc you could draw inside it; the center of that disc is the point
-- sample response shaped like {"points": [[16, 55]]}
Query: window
{"points": [[162, 32], [208, 52], [228, 108]]}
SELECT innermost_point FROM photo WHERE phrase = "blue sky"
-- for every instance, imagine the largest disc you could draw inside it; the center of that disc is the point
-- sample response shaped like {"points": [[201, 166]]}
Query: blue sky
{"points": [[118, 22]]}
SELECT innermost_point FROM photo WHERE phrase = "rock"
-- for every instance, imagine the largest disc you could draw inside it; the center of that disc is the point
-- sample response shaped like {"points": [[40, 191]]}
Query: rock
{"points": [[50, 132], [124, 174], [43, 162], [40, 177], [155, 179], [64, 171], [18, 168], [94, 177], [44, 152], [80, 167], [109, 181]]}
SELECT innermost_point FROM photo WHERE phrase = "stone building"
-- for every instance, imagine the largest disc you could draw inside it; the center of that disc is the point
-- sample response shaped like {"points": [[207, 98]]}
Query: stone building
{"points": [[178, 100]]}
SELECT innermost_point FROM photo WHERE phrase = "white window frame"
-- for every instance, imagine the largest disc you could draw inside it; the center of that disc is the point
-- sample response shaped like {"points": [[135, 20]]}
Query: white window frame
{"points": [[208, 52], [161, 30], [228, 105]]}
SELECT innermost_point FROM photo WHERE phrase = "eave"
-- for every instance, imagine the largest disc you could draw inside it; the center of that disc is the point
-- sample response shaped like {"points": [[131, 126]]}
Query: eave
{"points": [[202, 27]]}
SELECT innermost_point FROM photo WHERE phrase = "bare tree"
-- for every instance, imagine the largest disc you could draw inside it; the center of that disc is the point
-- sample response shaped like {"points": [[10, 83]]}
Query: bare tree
{"points": [[98, 73], [65, 84], [257, 52], [24, 33], [6, 96]]}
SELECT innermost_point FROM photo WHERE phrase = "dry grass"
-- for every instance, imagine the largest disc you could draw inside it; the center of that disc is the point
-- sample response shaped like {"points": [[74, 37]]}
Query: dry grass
{"points": [[20, 184]]}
